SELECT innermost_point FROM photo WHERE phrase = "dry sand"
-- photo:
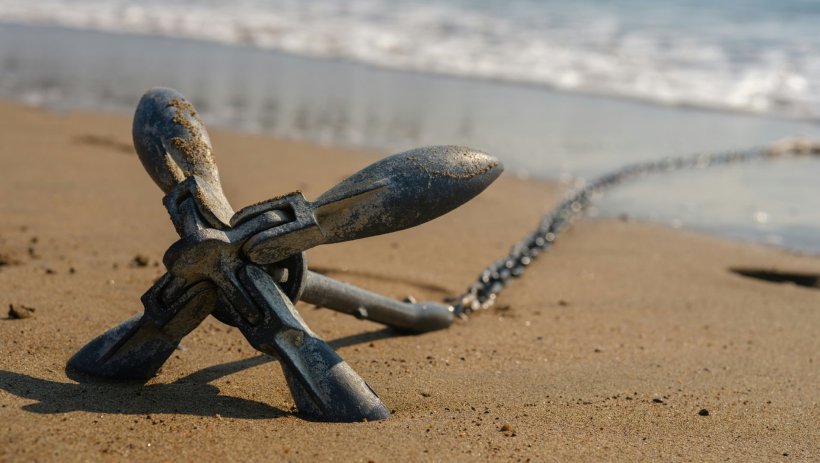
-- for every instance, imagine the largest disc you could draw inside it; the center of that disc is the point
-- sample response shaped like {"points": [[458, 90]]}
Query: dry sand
{"points": [[606, 350]]}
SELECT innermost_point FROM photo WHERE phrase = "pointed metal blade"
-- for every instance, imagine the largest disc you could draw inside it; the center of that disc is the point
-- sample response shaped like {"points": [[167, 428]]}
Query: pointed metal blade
{"points": [[174, 146], [404, 190]]}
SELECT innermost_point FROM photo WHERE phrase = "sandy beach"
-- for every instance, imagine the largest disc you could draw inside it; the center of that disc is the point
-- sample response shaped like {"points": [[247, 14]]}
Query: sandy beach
{"points": [[614, 345]]}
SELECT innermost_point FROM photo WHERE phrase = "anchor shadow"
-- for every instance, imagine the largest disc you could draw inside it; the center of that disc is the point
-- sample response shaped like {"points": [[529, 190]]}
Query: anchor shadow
{"points": [[189, 395]]}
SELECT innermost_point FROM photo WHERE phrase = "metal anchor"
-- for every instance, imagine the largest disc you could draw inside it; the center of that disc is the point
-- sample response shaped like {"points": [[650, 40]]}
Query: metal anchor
{"points": [[248, 268]]}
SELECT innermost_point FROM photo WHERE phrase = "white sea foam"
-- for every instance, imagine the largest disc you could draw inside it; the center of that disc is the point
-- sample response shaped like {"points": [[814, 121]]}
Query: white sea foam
{"points": [[767, 62]]}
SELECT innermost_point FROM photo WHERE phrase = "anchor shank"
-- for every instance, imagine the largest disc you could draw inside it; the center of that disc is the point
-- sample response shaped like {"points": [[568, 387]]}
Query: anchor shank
{"points": [[343, 297]]}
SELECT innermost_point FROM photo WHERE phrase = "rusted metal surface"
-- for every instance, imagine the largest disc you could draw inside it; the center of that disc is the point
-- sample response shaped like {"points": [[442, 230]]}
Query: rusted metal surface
{"points": [[248, 269]]}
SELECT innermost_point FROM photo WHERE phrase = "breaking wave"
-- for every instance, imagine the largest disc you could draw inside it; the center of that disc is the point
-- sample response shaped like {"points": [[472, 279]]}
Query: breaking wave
{"points": [[741, 55]]}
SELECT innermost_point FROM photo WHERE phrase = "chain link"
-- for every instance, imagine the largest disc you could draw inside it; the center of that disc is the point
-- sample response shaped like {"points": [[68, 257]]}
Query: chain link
{"points": [[483, 293]]}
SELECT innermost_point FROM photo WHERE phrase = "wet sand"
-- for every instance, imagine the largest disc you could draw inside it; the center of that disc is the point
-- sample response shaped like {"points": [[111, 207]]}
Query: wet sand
{"points": [[608, 349]]}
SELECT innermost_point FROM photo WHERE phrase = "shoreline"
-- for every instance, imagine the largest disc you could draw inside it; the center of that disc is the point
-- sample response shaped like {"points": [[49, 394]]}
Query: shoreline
{"points": [[608, 348], [535, 132], [628, 105], [458, 77], [557, 188]]}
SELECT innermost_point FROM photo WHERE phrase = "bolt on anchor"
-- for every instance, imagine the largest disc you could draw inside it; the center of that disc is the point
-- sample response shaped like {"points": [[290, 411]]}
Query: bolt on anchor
{"points": [[248, 268]]}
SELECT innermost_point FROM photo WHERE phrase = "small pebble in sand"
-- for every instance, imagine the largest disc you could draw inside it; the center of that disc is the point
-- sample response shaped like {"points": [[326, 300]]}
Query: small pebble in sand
{"points": [[657, 401], [6, 259], [18, 312], [703, 412], [506, 427], [140, 260]]}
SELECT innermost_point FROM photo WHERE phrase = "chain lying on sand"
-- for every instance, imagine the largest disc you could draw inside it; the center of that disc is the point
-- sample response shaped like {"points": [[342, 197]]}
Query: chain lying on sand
{"points": [[483, 293]]}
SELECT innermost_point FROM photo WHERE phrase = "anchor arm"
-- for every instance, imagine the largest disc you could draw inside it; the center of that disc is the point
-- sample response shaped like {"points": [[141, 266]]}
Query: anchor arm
{"points": [[139, 346], [323, 386], [404, 190], [175, 150], [395, 193]]}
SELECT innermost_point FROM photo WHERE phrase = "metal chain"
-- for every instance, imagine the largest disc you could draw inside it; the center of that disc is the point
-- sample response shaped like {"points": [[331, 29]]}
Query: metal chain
{"points": [[483, 293]]}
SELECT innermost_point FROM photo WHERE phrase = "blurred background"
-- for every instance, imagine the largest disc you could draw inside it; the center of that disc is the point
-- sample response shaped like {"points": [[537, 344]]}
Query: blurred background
{"points": [[559, 90]]}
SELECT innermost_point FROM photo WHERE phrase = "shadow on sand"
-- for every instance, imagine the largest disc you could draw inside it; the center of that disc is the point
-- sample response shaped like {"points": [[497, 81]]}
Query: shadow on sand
{"points": [[806, 280], [190, 395]]}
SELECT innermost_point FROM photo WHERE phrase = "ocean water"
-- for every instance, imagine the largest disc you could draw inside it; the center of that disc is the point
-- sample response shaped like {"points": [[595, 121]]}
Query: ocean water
{"points": [[557, 90], [760, 56]]}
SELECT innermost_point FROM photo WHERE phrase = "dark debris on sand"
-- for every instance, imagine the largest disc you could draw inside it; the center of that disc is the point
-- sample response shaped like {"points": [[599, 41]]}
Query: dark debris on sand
{"points": [[8, 260], [140, 260], [19, 311]]}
